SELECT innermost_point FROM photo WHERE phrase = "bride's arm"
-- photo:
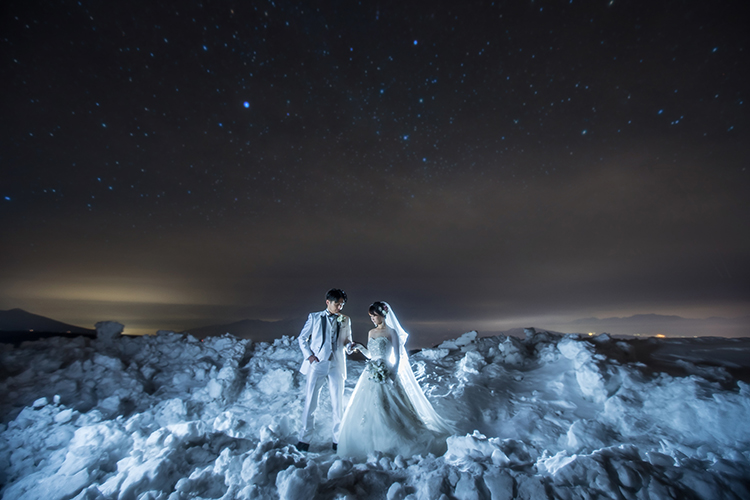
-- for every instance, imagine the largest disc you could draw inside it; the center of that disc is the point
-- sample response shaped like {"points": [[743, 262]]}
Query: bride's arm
{"points": [[356, 346]]}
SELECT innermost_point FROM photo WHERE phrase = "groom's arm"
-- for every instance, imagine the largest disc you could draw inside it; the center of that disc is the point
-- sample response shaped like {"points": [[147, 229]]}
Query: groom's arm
{"points": [[348, 332], [304, 338]]}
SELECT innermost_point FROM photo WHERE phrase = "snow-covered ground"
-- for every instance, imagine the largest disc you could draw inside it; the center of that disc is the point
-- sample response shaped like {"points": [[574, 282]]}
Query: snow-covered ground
{"points": [[549, 416]]}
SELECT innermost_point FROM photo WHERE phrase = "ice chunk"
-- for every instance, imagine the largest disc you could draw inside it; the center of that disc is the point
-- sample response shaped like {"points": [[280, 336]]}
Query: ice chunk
{"points": [[64, 416], [466, 487], [97, 446], [276, 381], [474, 446], [232, 425], [189, 431], [215, 388], [396, 492], [51, 487], [471, 363], [463, 341], [339, 468], [499, 483], [107, 331], [467, 338], [586, 435], [296, 483], [434, 354], [553, 464], [171, 411]]}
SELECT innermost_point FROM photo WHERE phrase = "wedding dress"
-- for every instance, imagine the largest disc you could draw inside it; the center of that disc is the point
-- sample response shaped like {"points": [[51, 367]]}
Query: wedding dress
{"points": [[388, 411]]}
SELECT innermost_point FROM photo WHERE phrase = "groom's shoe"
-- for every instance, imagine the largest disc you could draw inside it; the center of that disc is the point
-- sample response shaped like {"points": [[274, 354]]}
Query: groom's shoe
{"points": [[335, 446], [303, 446]]}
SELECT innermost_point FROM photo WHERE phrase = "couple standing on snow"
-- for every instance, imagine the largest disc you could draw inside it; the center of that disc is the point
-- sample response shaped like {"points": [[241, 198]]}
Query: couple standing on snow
{"points": [[387, 410]]}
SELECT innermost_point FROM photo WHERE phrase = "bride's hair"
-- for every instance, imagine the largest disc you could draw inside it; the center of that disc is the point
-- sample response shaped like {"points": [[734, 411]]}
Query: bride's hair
{"points": [[379, 308]]}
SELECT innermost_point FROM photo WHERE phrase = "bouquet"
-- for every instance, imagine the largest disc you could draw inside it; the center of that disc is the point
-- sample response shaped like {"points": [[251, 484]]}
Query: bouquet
{"points": [[378, 371]]}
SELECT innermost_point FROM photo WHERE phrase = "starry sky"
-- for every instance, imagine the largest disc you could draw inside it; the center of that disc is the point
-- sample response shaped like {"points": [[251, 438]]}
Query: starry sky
{"points": [[479, 165]]}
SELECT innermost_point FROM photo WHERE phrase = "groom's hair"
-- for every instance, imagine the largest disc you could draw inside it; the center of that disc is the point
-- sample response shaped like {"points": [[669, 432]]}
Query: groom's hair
{"points": [[336, 294]]}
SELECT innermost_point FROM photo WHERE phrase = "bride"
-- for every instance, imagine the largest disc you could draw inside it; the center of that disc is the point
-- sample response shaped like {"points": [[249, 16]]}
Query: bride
{"points": [[388, 411]]}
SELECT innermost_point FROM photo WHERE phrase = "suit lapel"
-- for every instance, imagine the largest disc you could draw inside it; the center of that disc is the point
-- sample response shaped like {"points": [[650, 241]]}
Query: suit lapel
{"points": [[324, 326], [323, 321]]}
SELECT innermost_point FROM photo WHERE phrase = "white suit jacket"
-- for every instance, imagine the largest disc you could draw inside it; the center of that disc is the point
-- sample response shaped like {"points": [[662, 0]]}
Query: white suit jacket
{"points": [[311, 340]]}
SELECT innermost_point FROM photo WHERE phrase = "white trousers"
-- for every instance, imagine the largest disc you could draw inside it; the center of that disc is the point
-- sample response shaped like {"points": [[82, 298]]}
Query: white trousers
{"points": [[315, 378]]}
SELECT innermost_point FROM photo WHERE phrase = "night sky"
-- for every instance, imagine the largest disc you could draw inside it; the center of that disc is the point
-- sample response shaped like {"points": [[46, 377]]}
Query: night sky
{"points": [[480, 165]]}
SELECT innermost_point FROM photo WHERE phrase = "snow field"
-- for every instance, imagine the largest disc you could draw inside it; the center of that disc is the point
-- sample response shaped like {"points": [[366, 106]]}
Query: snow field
{"points": [[549, 416]]}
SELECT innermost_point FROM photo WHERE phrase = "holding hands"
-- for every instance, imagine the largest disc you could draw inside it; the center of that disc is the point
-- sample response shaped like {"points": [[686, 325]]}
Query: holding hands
{"points": [[354, 346]]}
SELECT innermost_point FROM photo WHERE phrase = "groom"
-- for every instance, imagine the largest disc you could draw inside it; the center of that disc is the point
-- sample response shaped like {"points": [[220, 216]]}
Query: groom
{"points": [[322, 340]]}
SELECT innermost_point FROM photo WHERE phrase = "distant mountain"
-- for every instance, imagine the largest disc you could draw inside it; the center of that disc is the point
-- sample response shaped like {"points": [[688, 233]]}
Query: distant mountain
{"points": [[18, 320], [641, 318], [636, 318], [653, 324], [254, 329]]}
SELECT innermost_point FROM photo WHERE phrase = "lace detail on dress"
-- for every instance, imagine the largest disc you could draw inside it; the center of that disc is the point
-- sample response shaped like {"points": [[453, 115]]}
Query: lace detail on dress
{"points": [[378, 347]]}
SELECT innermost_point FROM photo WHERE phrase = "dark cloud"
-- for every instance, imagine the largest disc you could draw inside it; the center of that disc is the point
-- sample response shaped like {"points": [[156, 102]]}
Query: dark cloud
{"points": [[472, 163]]}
